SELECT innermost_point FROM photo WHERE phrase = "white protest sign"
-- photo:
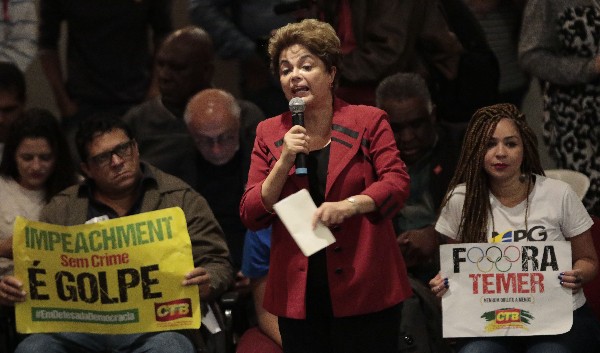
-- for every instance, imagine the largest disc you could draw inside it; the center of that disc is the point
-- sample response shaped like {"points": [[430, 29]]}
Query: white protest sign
{"points": [[506, 289]]}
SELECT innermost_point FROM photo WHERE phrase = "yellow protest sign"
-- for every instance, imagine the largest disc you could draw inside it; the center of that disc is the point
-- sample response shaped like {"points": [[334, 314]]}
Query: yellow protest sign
{"points": [[117, 276]]}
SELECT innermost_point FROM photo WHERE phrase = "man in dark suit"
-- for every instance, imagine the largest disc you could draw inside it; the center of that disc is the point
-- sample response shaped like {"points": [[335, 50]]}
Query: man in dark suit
{"points": [[430, 150]]}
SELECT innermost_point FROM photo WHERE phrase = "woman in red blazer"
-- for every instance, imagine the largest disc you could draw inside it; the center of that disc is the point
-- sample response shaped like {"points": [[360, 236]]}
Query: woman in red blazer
{"points": [[347, 297]]}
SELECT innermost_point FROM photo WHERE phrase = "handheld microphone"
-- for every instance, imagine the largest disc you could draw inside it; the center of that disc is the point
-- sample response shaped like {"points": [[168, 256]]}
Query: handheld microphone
{"points": [[297, 106]]}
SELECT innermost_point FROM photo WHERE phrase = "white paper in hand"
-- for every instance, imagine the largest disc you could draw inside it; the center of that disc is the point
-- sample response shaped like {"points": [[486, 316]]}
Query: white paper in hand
{"points": [[296, 212]]}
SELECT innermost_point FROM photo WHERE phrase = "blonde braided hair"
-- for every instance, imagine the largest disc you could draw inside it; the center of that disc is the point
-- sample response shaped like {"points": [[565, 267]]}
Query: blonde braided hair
{"points": [[470, 170]]}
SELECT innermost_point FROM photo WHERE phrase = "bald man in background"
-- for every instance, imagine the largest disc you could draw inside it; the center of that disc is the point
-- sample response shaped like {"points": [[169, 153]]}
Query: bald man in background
{"points": [[224, 140], [185, 66], [224, 136]]}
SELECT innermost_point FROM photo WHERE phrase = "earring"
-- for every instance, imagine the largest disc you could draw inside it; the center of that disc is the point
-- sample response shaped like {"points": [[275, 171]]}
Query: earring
{"points": [[522, 177]]}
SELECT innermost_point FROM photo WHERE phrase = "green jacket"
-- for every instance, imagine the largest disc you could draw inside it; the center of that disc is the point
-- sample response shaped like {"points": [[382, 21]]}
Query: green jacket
{"points": [[209, 250]]}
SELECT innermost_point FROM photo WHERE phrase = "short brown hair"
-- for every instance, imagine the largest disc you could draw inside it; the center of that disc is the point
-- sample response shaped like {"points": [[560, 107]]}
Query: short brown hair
{"points": [[318, 37]]}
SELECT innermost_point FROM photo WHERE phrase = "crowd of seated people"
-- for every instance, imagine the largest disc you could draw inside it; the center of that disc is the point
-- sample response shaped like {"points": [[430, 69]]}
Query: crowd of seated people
{"points": [[392, 57]]}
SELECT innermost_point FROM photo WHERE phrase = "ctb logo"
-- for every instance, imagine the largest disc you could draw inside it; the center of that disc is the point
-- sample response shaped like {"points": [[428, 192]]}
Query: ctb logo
{"points": [[173, 310]]}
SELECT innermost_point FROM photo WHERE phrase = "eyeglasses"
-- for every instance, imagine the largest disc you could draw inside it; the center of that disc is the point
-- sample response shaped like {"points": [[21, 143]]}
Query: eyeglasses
{"points": [[224, 139], [123, 150]]}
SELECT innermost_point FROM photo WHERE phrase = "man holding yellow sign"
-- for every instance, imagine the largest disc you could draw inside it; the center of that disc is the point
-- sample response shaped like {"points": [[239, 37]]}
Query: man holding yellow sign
{"points": [[116, 284]]}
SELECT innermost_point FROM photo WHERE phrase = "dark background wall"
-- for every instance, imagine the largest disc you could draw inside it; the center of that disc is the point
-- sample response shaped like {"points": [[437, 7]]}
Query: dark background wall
{"points": [[40, 95]]}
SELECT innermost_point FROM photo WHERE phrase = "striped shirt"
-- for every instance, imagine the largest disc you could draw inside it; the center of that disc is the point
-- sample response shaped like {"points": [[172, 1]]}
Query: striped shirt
{"points": [[18, 32]]}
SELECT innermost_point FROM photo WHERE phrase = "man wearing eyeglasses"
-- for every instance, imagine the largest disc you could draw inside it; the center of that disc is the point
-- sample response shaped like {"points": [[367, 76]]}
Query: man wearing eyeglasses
{"points": [[224, 143], [223, 137], [185, 66], [117, 184]]}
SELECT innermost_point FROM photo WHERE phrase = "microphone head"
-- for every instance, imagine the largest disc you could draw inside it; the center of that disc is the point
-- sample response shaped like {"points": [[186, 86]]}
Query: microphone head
{"points": [[297, 105]]}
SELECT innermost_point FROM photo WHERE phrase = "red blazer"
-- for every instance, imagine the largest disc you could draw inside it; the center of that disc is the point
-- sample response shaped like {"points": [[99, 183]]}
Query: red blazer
{"points": [[365, 269]]}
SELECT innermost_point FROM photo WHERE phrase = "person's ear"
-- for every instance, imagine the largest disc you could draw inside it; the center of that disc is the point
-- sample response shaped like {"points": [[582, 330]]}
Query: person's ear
{"points": [[85, 169], [433, 114], [136, 149], [332, 73]]}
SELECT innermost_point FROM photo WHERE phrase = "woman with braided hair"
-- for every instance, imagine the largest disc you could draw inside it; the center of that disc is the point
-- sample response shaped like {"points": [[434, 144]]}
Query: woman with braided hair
{"points": [[499, 184]]}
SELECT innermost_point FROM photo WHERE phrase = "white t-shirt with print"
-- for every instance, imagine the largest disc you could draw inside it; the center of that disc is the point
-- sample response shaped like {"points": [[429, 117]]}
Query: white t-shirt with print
{"points": [[555, 213]]}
